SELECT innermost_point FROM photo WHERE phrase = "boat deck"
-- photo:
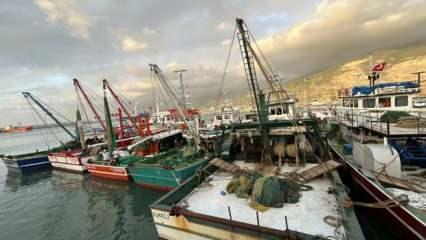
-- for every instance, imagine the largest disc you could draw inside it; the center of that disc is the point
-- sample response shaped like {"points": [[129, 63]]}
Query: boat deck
{"points": [[305, 216], [373, 124]]}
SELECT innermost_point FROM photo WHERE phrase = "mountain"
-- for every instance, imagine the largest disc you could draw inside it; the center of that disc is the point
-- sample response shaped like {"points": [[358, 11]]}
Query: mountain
{"points": [[323, 85]]}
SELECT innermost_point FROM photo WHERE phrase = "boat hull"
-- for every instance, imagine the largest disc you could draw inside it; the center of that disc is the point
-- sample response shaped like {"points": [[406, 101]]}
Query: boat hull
{"points": [[409, 226], [108, 171], [159, 178], [68, 162], [27, 164]]}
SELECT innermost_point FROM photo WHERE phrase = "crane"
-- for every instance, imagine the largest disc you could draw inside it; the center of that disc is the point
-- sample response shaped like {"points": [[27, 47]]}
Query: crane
{"points": [[79, 88], [171, 92], [42, 106], [106, 85], [250, 57]]}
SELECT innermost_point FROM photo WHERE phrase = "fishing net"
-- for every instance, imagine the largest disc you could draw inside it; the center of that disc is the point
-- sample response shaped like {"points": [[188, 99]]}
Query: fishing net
{"points": [[266, 192], [242, 183]]}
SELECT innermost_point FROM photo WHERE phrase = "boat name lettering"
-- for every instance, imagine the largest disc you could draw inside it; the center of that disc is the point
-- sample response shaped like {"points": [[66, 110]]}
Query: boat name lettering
{"points": [[162, 215]]}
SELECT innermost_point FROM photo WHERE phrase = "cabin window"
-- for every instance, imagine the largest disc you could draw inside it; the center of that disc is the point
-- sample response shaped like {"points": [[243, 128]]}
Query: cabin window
{"points": [[285, 108], [401, 101], [346, 103], [219, 117], [369, 103], [272, 111], [226, 116], [355, 103], [279, 111], [384, 102]]}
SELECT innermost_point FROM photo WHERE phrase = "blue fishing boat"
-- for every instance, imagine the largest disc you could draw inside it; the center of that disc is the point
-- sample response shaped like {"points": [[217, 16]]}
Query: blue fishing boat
{"points": [[27, 162]]}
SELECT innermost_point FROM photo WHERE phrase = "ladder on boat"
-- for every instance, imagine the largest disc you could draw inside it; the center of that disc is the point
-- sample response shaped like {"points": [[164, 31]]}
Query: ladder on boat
{"points": [[249, 68]]}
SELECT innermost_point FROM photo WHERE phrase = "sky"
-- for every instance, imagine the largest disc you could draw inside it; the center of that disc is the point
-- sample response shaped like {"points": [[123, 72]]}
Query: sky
{"points": [[44, 44]]}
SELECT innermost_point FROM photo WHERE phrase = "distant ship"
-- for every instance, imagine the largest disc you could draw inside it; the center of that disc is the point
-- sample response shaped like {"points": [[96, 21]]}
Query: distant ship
{"points": [[14, 129]]}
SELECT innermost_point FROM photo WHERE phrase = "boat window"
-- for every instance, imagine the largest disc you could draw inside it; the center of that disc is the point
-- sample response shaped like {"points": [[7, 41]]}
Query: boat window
{"points": [[384, 102], [346, 103], [279, 111], [285, 108], [226, 116], [369, 103], [272, 111], [218, 117], [401, 101], [355, 103]]}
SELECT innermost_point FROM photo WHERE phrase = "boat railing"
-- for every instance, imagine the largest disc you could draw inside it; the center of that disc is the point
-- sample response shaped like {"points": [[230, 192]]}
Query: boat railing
{"points": [[374, 122]]}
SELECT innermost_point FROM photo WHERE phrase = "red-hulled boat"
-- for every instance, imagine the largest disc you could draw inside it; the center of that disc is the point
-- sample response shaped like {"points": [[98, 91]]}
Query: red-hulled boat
{"points": [[15, 129], [407, 221]]}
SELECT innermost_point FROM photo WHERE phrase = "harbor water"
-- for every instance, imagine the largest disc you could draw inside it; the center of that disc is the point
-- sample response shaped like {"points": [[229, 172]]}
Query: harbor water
{"points": [[60, 205]]}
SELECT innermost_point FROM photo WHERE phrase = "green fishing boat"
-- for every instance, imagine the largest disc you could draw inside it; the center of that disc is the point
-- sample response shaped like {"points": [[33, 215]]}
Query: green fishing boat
{"points": [[166, 170]]}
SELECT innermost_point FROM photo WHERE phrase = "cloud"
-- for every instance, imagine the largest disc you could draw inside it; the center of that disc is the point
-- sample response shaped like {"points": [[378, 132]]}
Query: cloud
{"points": [[297, 37], [224, 26], [149, 31], [342, 30], [226, 42], [65, 12], [129, 44]]}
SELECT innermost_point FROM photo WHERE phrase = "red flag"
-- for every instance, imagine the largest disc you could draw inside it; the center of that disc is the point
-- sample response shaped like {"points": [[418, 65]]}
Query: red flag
{"points": [[378, 67]]}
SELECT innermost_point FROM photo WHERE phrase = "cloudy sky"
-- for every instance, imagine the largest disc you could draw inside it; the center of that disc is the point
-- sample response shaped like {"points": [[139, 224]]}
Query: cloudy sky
{"points": [[46, 43]]}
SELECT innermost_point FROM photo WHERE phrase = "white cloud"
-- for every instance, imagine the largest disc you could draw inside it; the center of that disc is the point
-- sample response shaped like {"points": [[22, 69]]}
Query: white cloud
{"points": [[65, 12], [149, 31], [129, 44], [224, 26], [342, 30], [226, 42]]}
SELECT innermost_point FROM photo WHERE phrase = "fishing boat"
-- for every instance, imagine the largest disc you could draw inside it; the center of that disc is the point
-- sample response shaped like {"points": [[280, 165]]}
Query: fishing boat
{"points": [[67, 156], [113, 166], [175, 160], [36, 160], [384, 154], [26, 162], [225, 199], [16, 129]]}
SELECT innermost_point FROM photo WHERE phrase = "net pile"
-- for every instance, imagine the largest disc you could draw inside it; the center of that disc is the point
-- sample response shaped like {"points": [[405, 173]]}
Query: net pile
{"points": [[265, 191]]}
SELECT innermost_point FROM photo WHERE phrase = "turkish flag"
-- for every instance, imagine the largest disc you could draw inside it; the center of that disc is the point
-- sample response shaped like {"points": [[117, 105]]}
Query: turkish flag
{"points": [[378, 67]]}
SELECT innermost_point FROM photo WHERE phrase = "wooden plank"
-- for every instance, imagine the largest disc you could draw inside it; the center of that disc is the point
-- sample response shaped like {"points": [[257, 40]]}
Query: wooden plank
{"points": [[319, 170], [229, 167], [404, 184]]}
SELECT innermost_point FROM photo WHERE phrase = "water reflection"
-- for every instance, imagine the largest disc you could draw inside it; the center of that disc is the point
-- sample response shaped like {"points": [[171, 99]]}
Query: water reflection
{"points": [[16, 179], [60, 205]]}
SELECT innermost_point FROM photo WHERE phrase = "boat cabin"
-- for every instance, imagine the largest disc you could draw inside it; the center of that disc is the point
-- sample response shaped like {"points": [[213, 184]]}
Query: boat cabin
{"points": [[226, 116], [283, 110], [385, 96]]}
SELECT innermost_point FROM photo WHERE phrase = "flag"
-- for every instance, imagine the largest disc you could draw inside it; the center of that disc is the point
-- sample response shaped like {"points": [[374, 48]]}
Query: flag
{"points": [[378, 67]]}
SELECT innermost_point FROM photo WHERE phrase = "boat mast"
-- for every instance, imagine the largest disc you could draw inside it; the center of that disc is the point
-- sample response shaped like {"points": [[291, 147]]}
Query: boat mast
{"points": [[78, 87], [109, 131], [133, 121], [28, 96]]}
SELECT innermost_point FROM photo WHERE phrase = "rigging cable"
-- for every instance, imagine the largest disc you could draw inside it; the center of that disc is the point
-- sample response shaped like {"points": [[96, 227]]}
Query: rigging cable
{"points": [[226, 69]]}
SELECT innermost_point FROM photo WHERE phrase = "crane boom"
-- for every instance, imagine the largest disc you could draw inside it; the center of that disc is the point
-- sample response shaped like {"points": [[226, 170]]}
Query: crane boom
{"points": [[116, 97], [175, 99], [78, 87], [28, 96], [248, 53]]}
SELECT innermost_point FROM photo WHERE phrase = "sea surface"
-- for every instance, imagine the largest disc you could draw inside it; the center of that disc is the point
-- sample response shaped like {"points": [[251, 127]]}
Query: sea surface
{"points": [[55, 205]]}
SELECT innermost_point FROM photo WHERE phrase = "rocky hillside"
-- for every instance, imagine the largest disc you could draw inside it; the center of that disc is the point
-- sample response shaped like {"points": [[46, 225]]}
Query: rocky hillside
{"points": [[323, 85]]}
